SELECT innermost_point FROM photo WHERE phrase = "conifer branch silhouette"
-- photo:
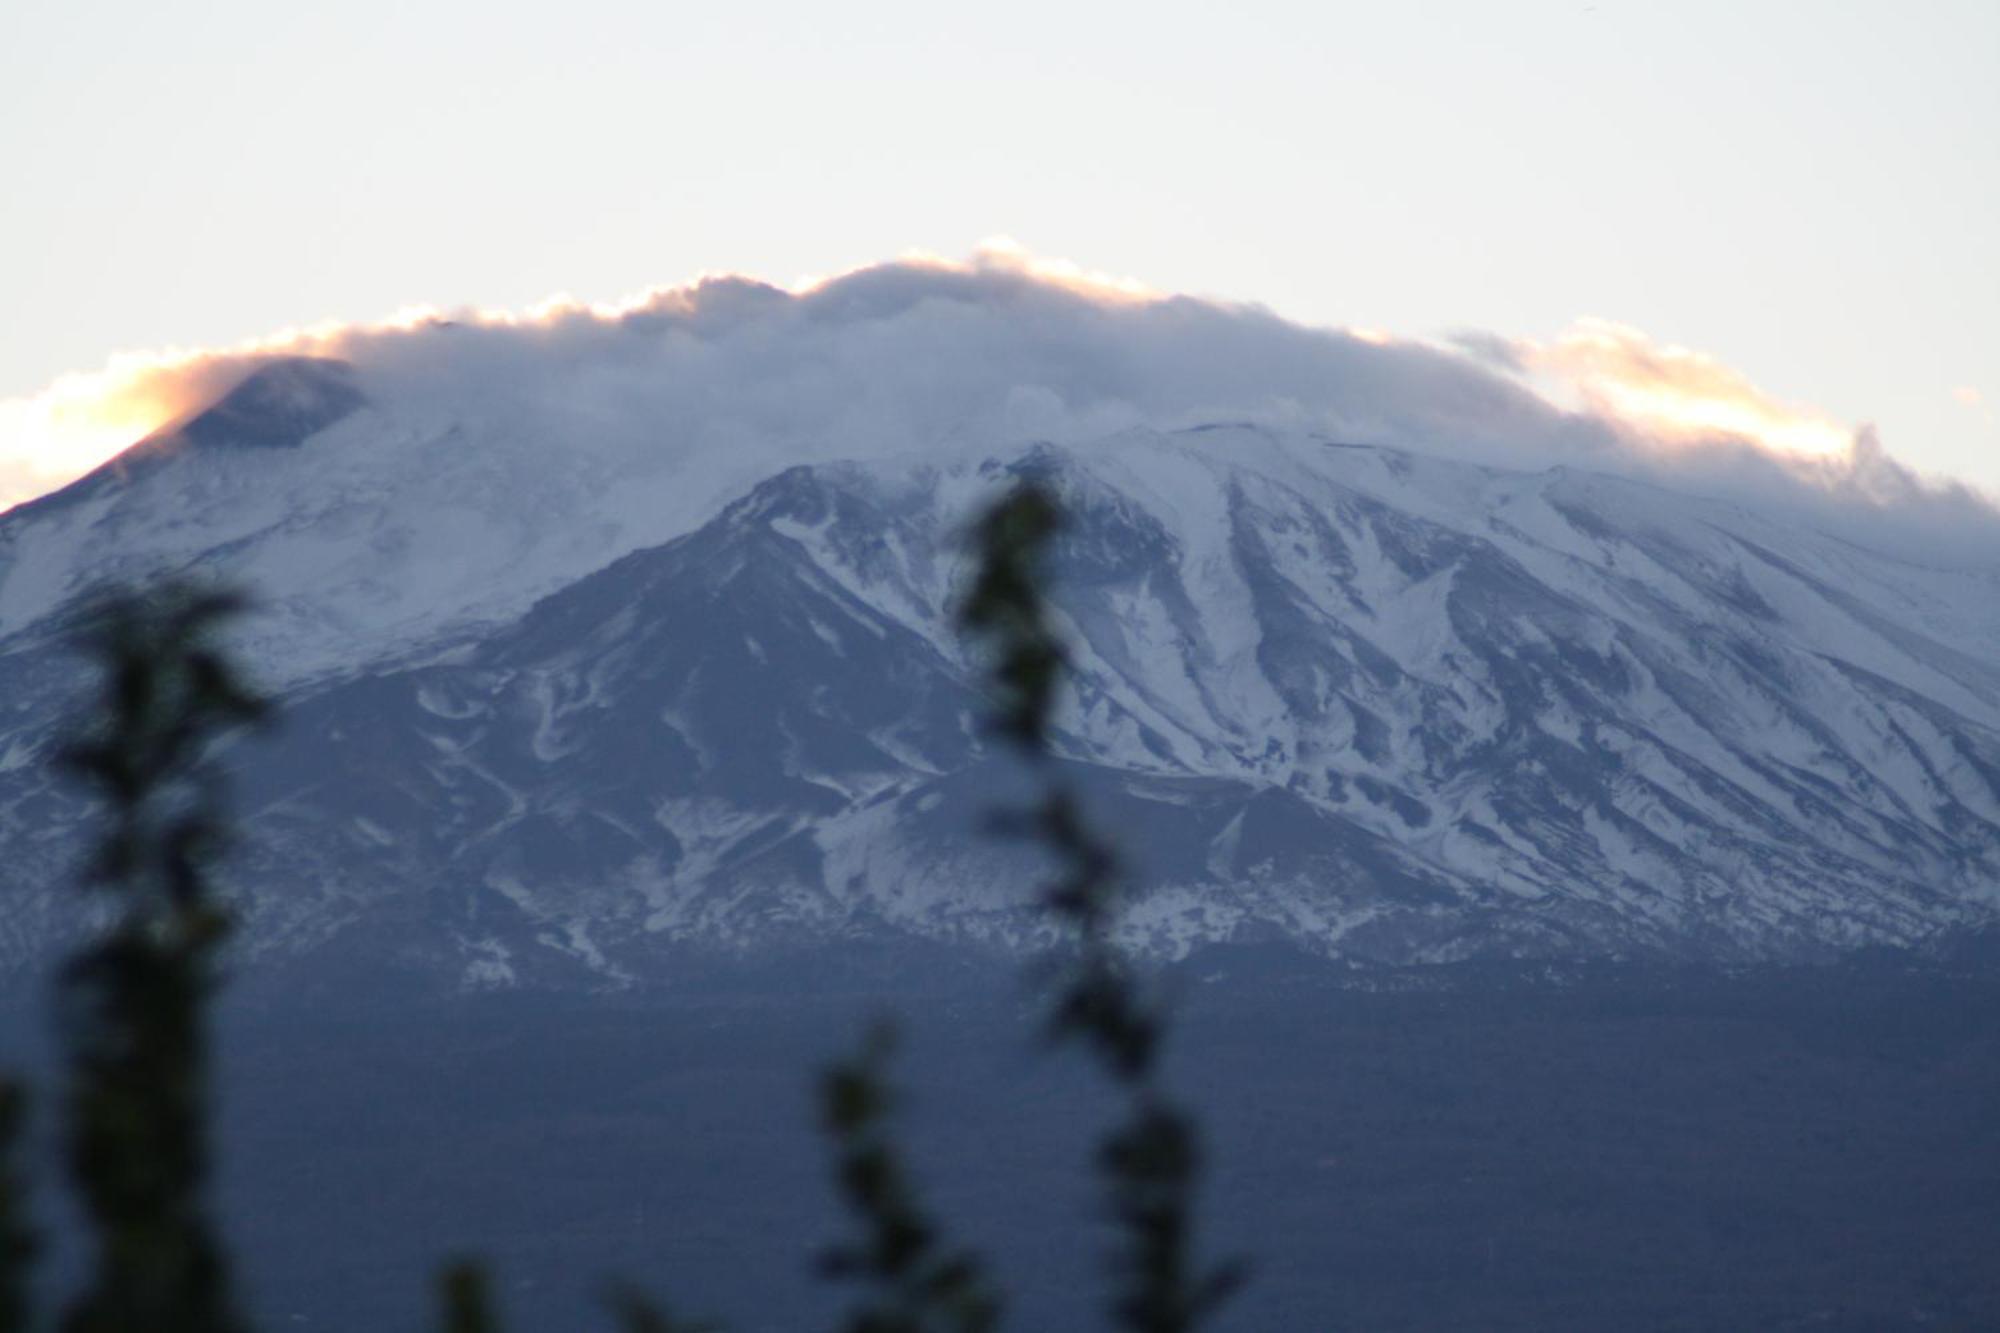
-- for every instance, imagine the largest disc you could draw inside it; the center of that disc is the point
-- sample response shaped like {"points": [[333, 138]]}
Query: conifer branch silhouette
{"points": [[18, 1242], [1151, 1161], [911, 1282], [636, 1312], [467, 1298], [133, 1005]]}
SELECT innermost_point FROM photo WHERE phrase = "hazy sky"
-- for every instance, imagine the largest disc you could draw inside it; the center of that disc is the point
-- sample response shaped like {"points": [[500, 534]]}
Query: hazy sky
{"points": [[1808, 191]]}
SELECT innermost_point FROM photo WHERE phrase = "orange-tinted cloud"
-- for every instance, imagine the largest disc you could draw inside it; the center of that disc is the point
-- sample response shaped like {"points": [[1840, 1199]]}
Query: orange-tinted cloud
{"points": [[82, 419], [1675, 395]]}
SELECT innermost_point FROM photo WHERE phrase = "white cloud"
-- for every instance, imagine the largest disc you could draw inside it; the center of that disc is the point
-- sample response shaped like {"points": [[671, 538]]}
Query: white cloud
{"points": [[1676, 395], [927, 355]]}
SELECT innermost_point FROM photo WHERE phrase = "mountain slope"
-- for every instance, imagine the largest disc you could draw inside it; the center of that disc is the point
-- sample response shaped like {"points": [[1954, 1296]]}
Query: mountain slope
{"points": [[1378, 704]]}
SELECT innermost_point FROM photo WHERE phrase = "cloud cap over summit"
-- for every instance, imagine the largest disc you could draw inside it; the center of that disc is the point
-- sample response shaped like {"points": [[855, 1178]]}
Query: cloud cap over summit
{"points": [[930, 357]]}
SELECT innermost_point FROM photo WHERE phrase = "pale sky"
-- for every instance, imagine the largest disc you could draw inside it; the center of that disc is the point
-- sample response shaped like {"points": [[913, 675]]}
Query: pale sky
{"points": [[1806, 192]]}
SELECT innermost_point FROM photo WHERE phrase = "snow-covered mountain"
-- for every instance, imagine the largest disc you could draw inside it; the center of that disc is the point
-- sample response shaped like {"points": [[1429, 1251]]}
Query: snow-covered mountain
{"points": [[555, 716]]}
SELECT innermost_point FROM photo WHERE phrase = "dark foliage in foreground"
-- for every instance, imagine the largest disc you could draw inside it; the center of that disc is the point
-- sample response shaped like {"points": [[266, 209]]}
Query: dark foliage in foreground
{"points": [[133, 1004], [910, 1285], [1151, 1161], [17, 1240], [134, 1012]]}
